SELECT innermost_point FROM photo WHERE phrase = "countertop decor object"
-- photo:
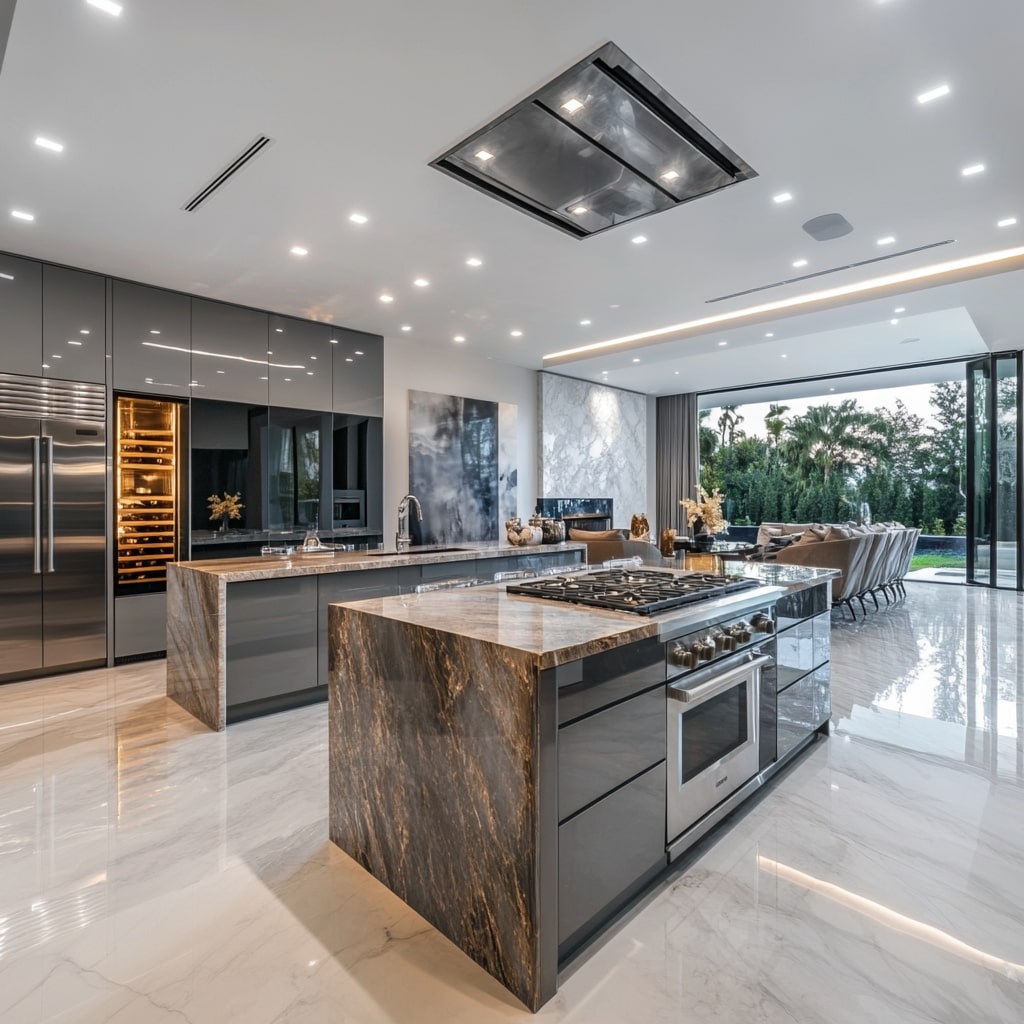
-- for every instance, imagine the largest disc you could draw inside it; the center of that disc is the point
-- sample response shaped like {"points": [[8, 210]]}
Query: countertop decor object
{"points": [[225, 509], [705, 517]]}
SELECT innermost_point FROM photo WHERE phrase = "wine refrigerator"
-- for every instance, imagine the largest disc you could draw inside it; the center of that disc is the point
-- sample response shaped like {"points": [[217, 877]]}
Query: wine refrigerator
{"points": [[150, 483]]}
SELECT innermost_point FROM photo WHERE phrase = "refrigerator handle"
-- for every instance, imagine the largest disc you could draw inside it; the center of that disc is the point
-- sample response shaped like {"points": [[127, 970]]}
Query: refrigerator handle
{"points": [[37, 524], [49, 504]]}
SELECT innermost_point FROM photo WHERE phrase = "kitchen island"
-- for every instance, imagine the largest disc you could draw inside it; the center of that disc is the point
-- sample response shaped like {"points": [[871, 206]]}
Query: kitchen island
{"points": [[499, 762], [248, 636]]}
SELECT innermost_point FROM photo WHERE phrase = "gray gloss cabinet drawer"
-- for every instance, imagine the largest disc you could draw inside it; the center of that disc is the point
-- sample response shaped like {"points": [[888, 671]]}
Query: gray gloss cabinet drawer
{"points": [[337, 587], [598, 753], [271, 638], [607, 853], [601, 679]]}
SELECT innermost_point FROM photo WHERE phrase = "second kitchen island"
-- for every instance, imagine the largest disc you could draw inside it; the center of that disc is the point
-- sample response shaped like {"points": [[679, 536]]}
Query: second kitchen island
{"points": [[504, 764]]}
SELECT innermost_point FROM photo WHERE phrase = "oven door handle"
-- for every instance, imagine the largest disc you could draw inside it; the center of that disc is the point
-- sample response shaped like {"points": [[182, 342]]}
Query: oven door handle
{"points": [[695, 695]]}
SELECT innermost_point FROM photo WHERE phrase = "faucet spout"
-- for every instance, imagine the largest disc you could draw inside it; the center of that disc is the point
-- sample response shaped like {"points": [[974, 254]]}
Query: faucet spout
{"points": [[402, 538]]}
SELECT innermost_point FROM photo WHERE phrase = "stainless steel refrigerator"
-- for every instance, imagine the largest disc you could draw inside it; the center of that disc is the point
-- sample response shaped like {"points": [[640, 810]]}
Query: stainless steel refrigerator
{"points": [[52, 526]]}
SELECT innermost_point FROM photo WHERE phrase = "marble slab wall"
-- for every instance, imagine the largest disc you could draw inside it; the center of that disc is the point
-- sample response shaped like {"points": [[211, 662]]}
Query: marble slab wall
{"points": [[593, 442]]}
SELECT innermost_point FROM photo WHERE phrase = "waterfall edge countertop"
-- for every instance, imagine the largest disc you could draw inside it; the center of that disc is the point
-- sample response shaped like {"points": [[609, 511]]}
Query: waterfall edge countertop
{"points": [[247, 636], [447, 754]]}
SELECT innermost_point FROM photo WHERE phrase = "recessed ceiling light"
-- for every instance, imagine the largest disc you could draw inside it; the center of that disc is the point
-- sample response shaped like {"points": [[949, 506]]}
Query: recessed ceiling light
{"points": [[458, 337], [676, 372], [421, 282], [584, 323], [299, 250], [972, 169], [358, 218], [474, 262], [222, 371], [483, 154], [106, 5], [614, 305], [831, 389], [44, 143], [638, 239], [387, 298], [894, 321], [799, 263], [722, 344], [636, 359], [900, 309], [22, 215], [670, 176], [933, 94], [770, 334], [406, 327], [578, 209], [572, 105], [1006, 222], [516, 334], [782, 197], [784, 356], [887, 240]]}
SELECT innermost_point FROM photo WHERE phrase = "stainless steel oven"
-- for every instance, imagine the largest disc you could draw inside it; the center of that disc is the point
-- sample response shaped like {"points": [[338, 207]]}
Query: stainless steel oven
{"points": [[713, 718]]}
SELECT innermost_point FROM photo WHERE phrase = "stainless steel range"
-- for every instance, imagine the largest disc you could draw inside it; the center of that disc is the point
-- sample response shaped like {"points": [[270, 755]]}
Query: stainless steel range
{"points": [[718, 638]]}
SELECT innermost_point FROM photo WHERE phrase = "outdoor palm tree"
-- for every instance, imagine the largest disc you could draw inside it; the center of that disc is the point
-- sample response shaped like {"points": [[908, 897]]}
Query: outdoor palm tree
{"points": [[831, 438], [728, 422]]}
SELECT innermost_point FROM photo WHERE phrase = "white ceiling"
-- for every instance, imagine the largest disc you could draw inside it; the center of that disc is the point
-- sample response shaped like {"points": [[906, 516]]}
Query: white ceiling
{"points": [[819, 97]]}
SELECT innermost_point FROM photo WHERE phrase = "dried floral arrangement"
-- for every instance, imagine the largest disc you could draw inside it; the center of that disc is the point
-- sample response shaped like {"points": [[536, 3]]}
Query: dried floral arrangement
{"points": [[230, 505], [708, 510]]}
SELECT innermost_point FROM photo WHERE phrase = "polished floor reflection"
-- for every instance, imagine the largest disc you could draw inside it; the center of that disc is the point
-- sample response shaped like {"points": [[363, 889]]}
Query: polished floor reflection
{"points": [[151, 870]]}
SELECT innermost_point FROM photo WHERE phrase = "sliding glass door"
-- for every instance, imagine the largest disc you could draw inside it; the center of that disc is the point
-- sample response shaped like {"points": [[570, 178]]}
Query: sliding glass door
{"points": [[994, 471]]}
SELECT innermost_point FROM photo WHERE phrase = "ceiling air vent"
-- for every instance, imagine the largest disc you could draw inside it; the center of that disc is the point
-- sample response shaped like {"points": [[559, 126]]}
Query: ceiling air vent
{"points": [[831, 270], [600, 145], [251, 151]]}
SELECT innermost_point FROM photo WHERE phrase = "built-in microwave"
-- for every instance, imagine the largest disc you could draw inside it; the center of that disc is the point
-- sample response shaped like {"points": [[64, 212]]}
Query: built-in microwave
{"points": [[349, 508]]}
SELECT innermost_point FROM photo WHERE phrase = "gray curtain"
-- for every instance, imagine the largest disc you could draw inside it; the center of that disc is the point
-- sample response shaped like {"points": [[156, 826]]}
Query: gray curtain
{"points": [[677, 458]]}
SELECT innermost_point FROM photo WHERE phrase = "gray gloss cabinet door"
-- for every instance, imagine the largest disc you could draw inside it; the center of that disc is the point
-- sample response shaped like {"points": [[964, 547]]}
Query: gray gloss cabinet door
{"points": [[229, 352], [74, 325], [358, 372], [151, 329], [21, 319], [300, 367]]}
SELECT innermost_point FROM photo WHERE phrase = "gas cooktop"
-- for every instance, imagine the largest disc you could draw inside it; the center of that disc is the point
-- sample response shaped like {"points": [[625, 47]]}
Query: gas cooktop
{"points": [[641, 591]]}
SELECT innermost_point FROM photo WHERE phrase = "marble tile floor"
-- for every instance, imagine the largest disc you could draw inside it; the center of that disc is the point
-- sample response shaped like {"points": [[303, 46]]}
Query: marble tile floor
{"points": [[151, 870]]}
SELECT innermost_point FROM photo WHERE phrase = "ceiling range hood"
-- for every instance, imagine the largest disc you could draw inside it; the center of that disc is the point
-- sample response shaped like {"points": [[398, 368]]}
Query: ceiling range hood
{"points": [[600, 145]]}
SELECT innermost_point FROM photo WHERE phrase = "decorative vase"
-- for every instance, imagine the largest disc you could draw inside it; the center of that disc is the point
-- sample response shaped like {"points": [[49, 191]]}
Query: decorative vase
{"points": [[668, 543], [225, 523]]}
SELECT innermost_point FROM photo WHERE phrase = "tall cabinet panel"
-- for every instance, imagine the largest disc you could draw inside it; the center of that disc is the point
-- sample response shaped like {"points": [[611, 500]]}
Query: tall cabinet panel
{"points": [[21, 316], [151, 340], [229, 353], [74, 325]]}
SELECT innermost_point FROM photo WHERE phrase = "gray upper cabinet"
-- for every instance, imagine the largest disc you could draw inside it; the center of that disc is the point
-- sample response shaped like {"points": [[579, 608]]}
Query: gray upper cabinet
{"points": [[21, 316], [74, 325], [151, 343], [229, 353], [300, 364], [358, 372]]}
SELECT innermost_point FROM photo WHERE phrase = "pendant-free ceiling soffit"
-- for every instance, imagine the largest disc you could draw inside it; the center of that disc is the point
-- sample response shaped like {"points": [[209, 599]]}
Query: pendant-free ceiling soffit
{"points": [[600, 145]]}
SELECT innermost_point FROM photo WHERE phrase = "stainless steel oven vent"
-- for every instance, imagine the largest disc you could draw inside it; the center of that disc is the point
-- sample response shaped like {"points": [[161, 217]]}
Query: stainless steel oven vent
{"points": [[600, 145]]}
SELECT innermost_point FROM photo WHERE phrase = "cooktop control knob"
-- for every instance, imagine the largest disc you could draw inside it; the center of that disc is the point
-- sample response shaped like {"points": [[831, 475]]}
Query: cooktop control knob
{"points": [[704, 649], [763, 623], [742, 631], [725, 643], [682, 656]]}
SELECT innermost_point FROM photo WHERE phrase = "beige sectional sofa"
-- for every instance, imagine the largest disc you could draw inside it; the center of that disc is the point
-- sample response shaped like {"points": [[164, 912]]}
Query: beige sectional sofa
{"points": [[871, 559]]}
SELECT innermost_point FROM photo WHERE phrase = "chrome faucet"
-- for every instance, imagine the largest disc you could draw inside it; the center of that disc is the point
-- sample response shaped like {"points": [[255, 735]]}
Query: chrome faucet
{"points": [[402, 538]]}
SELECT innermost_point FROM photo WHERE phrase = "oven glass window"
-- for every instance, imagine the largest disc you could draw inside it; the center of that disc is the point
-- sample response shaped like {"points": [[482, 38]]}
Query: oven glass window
{"points": [[713, 729]]}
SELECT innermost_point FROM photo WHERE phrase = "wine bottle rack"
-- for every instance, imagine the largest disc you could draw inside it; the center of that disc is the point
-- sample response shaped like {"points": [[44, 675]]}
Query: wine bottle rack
{"points": [[147, 498]]}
